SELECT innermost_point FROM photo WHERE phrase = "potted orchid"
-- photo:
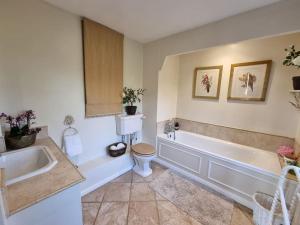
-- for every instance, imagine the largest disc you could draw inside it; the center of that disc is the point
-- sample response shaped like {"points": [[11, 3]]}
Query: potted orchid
{"points": [[130, 97], [293, 59], [21, 134]]}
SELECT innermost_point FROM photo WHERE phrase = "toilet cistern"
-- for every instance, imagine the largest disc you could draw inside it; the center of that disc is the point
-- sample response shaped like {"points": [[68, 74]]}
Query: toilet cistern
{"points": [[129, 125], [142, 153]]}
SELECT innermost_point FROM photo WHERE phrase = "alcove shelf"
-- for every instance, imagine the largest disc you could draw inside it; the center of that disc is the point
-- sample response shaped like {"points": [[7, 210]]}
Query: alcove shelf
{"points": [[296, 95]]}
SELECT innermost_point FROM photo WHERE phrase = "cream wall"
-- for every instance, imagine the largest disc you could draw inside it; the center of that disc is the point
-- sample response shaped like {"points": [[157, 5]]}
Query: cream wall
{"points": [[274, 116], [43, 66], [133, 65], [167, 89], [270, 20], [7, 84], [298, 131]]}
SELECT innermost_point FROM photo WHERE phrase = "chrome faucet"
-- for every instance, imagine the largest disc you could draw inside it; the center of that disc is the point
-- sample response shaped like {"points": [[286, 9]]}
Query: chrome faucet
{"points": [[170, 128]]}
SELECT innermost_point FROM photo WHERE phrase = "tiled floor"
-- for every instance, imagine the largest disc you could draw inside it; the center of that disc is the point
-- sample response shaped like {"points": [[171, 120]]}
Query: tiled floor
{"points": [[129, 200]]}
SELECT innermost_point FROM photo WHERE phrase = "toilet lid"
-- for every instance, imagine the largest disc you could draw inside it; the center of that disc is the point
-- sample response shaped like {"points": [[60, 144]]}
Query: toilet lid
{"points": [[143, 149]]}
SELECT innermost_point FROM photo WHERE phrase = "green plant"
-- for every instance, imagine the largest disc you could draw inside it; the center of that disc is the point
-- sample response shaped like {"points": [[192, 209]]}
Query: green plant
{"points": [[131, 96], [292, 57]]}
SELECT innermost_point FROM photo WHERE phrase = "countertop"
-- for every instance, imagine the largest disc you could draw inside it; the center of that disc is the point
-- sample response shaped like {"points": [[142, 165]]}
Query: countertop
{"points": [[33, 190]]}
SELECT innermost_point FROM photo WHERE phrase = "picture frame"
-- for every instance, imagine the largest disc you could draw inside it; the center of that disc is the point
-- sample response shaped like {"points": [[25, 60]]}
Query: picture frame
{"points": [[207, 82], [249, 81]]}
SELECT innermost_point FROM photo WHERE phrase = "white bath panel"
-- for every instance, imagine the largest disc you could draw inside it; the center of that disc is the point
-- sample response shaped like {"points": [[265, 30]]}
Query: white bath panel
{"points": [[180, 157], [239, 179]]}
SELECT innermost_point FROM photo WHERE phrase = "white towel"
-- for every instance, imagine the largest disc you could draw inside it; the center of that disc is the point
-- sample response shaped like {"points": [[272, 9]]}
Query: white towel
{"points": [[113, 147], [73, 145], [120, 145]]}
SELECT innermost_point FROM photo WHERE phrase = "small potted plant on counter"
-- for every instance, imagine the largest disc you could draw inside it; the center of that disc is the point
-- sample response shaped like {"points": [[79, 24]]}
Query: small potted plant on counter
{"points": [[130, 97], [21, 134], [293, 59]]}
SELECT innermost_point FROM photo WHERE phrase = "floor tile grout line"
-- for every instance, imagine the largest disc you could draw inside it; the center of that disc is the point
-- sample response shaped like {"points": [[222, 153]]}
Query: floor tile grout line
{"points": [[97, 213], [93, 202], [157, 209], [129, 199], [105, 190], [127, 212], [184, 213]]}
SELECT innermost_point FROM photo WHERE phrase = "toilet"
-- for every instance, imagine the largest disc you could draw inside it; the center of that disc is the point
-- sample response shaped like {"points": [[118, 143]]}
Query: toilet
{"points": [[142, 153]]}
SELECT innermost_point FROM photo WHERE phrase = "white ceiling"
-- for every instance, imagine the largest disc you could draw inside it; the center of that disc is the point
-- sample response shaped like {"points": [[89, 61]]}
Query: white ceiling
{"points": [[148, 20]]}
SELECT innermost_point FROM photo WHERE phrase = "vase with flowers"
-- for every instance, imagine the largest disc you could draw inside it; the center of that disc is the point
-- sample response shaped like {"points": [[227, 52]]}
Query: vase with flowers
{"points": [[130, 97], [293, 59], [21, 134]]}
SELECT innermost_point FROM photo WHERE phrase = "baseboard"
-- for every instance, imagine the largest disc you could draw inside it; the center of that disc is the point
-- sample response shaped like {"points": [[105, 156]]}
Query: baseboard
{"points": [[104, 181], [228, 194]]}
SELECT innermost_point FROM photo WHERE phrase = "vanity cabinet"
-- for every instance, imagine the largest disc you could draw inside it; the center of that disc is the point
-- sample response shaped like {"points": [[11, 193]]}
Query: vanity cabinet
{"points": [[49, 198], [63, 208]]}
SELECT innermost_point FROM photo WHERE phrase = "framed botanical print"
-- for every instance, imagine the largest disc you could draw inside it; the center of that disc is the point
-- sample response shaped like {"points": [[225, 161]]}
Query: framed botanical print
{"points": [[249, 81], [207, 82]]}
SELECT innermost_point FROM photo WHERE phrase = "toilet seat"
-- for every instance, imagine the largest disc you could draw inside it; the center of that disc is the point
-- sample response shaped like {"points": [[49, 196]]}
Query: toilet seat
{"points": [[143, 149]]}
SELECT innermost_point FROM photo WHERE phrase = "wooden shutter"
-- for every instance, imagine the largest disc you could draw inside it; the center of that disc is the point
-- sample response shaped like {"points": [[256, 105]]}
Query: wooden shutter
{"points": [[103, 68]]}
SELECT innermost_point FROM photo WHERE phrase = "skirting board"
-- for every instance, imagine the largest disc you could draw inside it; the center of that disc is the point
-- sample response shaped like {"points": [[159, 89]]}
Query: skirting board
{"points": [[228, 194]]}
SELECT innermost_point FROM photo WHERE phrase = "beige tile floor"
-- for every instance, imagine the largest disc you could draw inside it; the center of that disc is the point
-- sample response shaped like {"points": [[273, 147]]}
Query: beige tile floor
{"points": [[129, 200]]}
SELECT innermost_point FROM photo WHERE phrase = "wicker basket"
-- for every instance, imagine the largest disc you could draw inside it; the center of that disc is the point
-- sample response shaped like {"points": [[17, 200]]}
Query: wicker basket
{"points": [[262, 207], [116, 153]]}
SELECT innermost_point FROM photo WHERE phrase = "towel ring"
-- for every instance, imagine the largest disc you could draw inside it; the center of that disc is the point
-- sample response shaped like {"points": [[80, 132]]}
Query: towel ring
{"points": [[69, 120], [74, 131]]}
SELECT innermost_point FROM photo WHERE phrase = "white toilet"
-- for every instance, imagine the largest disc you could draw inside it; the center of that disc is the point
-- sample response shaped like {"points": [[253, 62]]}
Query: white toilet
{"points": [[142, 153]]}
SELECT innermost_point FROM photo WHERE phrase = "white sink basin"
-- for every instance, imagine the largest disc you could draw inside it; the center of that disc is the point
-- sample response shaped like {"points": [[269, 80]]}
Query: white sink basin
{"points": [[25, 163]]}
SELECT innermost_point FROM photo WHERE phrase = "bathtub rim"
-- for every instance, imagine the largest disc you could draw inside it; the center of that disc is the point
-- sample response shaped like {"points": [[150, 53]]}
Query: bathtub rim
{"points": [[162, 135]]}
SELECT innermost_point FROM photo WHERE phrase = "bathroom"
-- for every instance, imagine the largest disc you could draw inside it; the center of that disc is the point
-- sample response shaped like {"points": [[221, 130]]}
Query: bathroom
{"points": [[42, 69]]}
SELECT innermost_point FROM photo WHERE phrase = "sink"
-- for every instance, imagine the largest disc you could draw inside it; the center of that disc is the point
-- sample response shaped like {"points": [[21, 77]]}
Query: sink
{"points": [[27, 162]]}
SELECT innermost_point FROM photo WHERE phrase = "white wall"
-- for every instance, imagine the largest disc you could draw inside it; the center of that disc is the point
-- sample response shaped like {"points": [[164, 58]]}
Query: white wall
{"points": [[9, 84], [274, 116], [42, 48], [133, 66], [297, 138], [167, 89], [274, 19]]}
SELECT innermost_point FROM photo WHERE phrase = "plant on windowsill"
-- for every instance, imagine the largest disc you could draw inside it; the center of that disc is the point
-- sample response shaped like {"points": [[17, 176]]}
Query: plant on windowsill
{"points": [[21, 134], [130, 97], [293, 59]]}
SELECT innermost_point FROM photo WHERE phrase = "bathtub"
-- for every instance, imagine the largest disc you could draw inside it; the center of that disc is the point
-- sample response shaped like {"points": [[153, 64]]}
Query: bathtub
{"points": [[235, 170]]}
